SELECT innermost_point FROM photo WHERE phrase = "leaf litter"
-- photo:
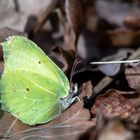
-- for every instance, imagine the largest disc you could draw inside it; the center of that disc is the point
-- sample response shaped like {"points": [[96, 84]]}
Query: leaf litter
{"points": [[104, 111]]}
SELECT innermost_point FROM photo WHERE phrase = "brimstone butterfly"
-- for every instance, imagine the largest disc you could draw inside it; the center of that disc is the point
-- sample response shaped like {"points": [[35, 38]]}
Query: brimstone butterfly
{"points": [[33, 88]]}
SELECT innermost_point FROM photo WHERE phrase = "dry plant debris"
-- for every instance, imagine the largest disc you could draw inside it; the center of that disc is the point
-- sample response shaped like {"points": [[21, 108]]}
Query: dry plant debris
{"points": [[89, 31]]}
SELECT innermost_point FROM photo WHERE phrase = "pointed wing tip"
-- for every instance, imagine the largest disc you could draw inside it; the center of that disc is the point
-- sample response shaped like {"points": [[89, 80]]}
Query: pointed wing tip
{"points": [[9, 38]]}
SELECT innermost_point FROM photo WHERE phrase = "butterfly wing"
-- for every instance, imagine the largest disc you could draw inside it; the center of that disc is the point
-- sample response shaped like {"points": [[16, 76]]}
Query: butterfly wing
{"points": [[31, 85]]}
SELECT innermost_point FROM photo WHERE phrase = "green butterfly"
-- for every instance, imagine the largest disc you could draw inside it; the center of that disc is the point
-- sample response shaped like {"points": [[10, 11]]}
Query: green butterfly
{"points": [[32, 87]]}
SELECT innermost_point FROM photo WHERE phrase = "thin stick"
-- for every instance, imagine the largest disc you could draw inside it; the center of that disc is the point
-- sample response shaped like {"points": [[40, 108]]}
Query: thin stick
{"points": [[116, 62], [102, 84]]}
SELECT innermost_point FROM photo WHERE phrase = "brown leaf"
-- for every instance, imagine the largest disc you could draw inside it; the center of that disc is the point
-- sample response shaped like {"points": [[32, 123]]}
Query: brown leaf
{"points": [[9, 124], [112, 103], [133, 77], [75, 15], [69, 125]]}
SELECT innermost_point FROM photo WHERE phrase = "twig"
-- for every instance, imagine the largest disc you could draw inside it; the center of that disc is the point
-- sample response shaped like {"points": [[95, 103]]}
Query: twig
{"points": [[102, 84]]}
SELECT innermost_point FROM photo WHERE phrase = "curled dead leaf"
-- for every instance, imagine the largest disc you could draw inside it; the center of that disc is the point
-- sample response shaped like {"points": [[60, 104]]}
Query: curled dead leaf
{"points": [[74, 13], [111, 104], [74, 10]]}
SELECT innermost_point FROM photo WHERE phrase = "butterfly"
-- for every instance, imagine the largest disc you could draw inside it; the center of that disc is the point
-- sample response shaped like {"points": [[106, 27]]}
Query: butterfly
{"points": [[32, 87]]}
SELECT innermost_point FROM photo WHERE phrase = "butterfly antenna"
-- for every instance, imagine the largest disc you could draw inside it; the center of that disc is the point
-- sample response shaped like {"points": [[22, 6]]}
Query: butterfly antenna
{"points": [[76, 62]]}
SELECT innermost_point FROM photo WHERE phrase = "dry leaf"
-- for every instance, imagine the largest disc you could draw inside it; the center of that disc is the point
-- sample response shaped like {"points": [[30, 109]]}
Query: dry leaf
{"points": [[133, 77], [111, 104], [75, 15]]}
